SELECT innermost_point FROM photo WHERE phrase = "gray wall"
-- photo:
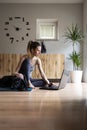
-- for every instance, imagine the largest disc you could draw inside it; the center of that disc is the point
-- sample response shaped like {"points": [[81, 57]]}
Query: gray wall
{"points": [[65, 13], [85, 42]]}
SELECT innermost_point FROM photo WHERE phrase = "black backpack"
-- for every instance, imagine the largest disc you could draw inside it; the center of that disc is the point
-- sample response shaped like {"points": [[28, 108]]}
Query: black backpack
{"points": [[13, 82]]}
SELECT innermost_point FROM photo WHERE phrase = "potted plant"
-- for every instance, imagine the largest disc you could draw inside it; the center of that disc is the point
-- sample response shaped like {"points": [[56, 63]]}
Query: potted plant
{"points": [[75, 36], [76, 58]]}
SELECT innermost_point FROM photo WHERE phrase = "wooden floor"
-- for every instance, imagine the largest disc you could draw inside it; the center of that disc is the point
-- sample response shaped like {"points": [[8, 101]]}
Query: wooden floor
{"points": [[64, 109]]}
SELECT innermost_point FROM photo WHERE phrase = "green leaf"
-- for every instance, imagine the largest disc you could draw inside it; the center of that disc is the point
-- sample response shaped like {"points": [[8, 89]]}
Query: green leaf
{"points": [[76, 58], [74, 33]]}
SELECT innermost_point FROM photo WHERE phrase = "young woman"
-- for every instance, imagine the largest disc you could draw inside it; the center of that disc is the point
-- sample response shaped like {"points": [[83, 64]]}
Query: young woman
{"points": [[27, 64]]}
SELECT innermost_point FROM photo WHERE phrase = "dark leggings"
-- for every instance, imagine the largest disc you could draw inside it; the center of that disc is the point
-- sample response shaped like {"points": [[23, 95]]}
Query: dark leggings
{"points": [[38, 82]]}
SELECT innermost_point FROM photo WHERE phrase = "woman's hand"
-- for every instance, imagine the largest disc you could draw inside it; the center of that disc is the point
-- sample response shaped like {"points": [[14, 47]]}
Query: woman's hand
{"points": [[19, 75], [50, 84]]}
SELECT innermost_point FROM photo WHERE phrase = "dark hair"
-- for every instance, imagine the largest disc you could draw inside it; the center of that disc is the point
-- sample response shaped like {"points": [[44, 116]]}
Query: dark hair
{"points": [[32, 45], [43, 48]]}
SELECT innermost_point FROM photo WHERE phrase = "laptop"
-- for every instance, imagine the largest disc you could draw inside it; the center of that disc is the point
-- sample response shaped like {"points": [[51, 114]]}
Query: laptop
{"points": [[62, 83], [64, 79]]}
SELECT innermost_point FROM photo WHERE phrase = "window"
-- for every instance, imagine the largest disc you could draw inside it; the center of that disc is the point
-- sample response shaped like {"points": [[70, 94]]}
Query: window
{"points": [[47, 29]]}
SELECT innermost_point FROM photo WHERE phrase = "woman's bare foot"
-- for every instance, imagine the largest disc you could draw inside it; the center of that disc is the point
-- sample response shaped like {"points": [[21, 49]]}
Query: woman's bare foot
{"points": [[31, 86]]}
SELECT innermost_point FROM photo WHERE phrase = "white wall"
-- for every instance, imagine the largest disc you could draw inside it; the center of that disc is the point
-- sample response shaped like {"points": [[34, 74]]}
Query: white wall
{"points": [[65, 13]]}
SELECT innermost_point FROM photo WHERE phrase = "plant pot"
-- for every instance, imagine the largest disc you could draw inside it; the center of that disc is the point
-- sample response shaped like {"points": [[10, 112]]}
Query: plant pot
{"points": [[76, 76]]}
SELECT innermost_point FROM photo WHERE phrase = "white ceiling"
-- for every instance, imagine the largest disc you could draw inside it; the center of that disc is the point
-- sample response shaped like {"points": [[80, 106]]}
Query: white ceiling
{"points": [[41, 1]]}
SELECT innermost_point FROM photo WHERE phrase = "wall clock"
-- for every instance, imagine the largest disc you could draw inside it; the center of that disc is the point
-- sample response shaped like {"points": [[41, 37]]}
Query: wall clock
{"points": [[17, 29]]}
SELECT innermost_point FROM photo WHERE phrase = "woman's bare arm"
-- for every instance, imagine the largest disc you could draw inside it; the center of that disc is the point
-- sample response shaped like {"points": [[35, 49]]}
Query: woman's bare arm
{"points": [[44, 77], [20, 62]]}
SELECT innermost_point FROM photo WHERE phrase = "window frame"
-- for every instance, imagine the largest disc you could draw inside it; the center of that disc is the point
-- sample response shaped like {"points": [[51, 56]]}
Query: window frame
{"points": [[53, 22]]}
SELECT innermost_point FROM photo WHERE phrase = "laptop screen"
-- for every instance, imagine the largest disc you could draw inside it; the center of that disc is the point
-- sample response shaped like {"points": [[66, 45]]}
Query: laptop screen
{"points": [[64, 79]]}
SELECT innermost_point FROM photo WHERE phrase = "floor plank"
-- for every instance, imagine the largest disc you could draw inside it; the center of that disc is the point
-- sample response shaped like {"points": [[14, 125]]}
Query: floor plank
{"points": [[64, 109]]}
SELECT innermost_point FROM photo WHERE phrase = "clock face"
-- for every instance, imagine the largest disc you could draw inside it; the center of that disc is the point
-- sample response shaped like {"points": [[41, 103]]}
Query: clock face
{"points": [[17, 29]]}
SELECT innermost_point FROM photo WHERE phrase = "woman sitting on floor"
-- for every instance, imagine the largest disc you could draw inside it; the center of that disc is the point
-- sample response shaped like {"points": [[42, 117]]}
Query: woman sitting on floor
{"points": [[27, 64]]}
